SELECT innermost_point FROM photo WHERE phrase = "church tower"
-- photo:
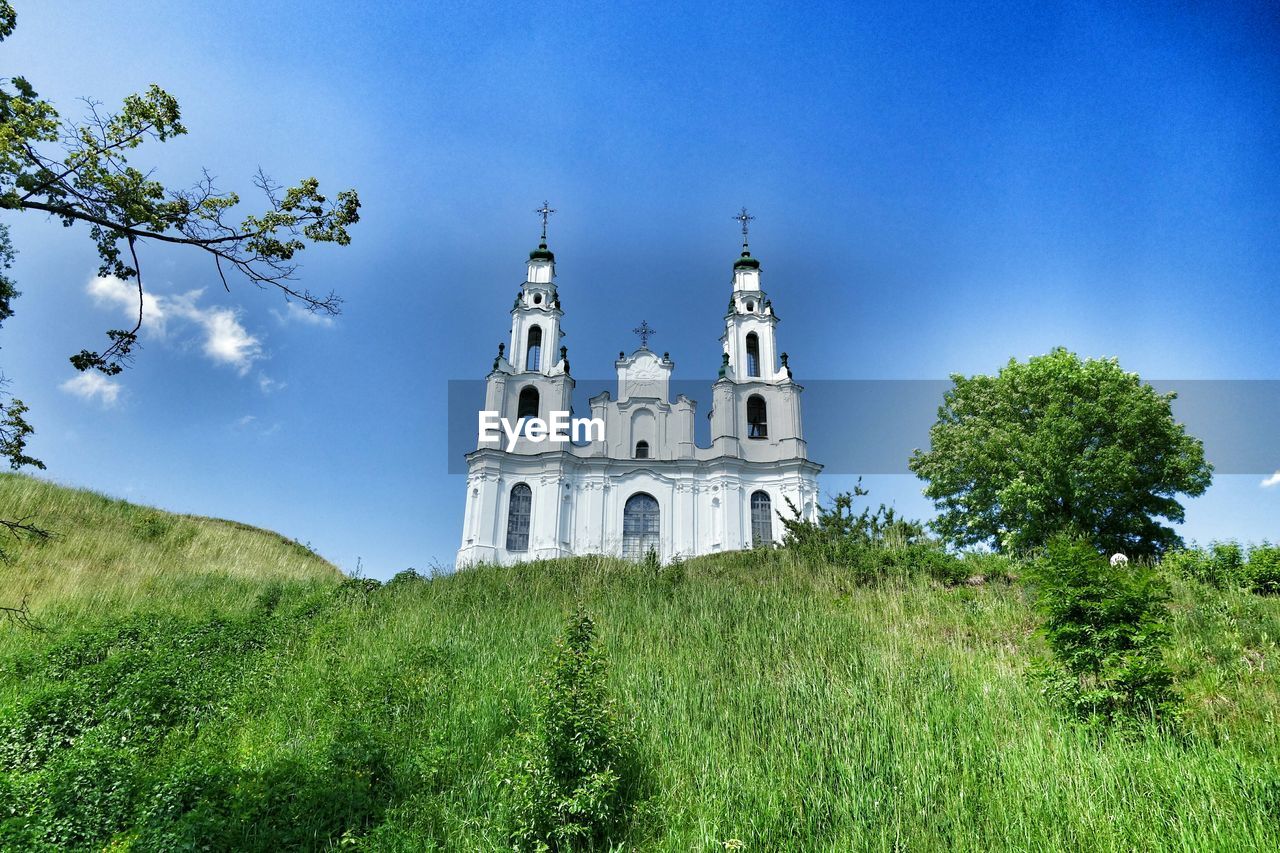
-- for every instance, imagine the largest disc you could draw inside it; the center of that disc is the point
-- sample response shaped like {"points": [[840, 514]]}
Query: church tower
{"points": [[756, 409], [531, 377]]}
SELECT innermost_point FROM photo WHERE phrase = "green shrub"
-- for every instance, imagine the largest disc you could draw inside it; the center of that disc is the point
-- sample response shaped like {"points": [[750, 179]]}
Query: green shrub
{"points": [[575, 773], [872, 544], [1264, 568], [1107, 628], [152, 527], [88, 796], [1226, 565], [989, 566]]}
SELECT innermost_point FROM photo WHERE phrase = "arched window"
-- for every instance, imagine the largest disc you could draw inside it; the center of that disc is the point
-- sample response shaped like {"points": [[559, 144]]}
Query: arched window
{"points": [[533, 358], [642, 450], [761, 519], [518, 511], [753, 354], [640, 526], [528, 406], [757, 417]]}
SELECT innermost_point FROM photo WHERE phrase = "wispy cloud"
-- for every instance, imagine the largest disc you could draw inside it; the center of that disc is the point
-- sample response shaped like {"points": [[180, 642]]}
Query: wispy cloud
{"points": [[93, 386], [224, 340], [1272, 481], [266, 384], [251, 424], [295, 313]]}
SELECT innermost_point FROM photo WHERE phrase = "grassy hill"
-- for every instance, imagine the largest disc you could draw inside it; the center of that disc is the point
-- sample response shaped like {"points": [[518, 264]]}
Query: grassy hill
{"points": [[200, 685], [111, 555]]}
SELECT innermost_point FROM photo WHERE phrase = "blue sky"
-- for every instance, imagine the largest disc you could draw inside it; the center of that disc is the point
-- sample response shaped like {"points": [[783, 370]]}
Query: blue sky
{"points": [[937, 190]]}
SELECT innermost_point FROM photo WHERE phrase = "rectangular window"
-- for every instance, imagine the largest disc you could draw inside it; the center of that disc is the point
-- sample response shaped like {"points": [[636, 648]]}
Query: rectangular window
{"points": [[518, 518]]}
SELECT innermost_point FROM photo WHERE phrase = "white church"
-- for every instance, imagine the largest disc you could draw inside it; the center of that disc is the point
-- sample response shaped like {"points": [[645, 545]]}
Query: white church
{"points": [[645, 485]]}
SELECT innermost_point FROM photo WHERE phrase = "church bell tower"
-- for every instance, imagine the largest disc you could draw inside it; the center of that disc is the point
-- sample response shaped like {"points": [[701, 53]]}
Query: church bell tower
{"points": [[756, 409], [530, 376]]}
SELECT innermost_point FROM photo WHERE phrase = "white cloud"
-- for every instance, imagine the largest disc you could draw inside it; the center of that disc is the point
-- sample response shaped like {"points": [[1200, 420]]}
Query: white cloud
{"points": [[246, 420], [109, 290], [90, 386], [294, 312], [1273, 480], [225, 339]]}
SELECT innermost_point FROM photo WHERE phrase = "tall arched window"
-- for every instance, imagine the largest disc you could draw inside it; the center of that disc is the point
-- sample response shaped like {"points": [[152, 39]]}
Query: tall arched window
{"points": [[757, 417], [753, 354], [640, 526], [642, 450], [533, 358], [761, 519], [519, 509], [528, 405]]}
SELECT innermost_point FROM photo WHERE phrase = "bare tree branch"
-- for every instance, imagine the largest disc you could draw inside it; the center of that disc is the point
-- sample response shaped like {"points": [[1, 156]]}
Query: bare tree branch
{"points": [[21, 616]]}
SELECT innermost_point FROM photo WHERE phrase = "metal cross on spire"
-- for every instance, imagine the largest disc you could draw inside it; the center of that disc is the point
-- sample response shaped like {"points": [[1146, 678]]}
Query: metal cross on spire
{"points": [[545, 212], [644, 331], [745, 218]]}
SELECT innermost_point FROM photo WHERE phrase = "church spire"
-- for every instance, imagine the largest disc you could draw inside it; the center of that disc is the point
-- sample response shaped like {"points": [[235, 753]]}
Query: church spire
{"points": [[745, 261], [535, 316], [542, 252]]}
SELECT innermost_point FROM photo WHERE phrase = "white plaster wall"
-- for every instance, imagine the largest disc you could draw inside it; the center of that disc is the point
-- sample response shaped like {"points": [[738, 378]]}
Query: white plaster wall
{"points": [[578, 503]]}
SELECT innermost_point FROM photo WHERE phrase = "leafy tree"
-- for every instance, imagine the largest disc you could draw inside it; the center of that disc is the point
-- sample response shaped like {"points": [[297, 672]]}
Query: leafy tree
{"points": [[1107, 627], [1060, 445], [79, 172]]}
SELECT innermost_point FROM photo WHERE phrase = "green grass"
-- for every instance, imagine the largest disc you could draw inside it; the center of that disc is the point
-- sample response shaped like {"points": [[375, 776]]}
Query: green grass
{"points": [[230, 692], [108, 555]]}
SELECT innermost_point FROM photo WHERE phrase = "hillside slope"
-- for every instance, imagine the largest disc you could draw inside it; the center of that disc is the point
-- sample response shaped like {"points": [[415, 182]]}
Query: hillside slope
{"points": [[777, 705], [108, 552]]}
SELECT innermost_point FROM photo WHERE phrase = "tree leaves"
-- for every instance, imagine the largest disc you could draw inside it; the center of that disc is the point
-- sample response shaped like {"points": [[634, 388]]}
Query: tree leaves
{"points": [[79, 171], [1060, 445]]}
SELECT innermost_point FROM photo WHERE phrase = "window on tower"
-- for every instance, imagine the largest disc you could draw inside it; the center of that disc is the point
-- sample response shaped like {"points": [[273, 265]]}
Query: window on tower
{"points": [[757, 417], [753, 354], [642, 450], [528, 405], [533, 357], [518, 511]]}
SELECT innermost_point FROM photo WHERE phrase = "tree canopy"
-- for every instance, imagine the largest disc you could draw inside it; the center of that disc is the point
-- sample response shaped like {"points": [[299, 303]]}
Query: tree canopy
{"points": [[78, 171], [1060, 445]]}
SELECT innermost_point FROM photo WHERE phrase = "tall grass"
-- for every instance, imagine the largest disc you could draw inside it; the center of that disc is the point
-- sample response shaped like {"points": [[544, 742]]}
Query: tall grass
{"points": [[107, 554], [778, 703]]}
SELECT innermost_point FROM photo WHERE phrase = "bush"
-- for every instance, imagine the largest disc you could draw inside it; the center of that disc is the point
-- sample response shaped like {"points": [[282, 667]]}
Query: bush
{"points": [[1107, 628], [575, 774], [1264, 568], [1226, 565], [872, 544], [989, 566]]}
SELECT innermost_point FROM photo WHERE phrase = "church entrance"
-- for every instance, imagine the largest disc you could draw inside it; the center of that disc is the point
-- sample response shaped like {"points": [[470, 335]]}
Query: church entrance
{"points": [[640, 519]]}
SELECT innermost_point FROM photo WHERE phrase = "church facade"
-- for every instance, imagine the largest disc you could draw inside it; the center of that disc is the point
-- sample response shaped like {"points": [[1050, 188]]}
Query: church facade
{"points": [[644, 485]]}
